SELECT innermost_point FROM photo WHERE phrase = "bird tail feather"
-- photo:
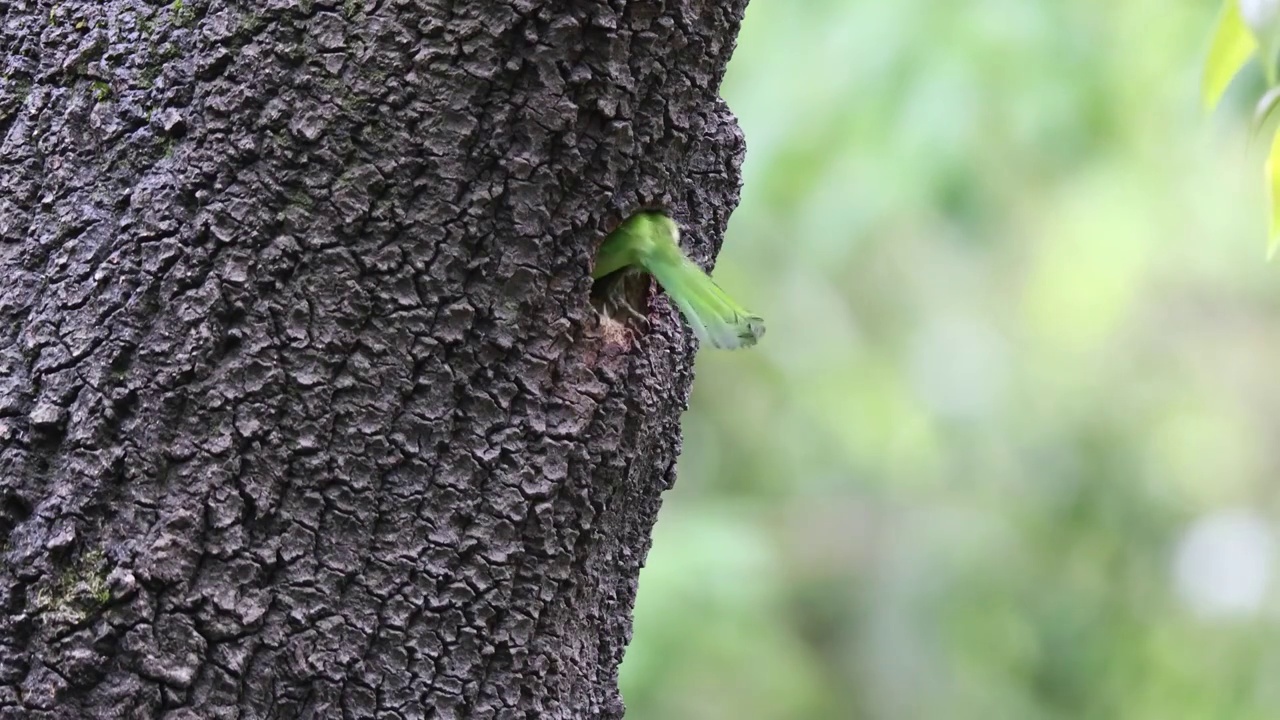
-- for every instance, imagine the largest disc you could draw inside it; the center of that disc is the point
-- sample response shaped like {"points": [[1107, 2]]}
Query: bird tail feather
{"points": [[713, 315]]}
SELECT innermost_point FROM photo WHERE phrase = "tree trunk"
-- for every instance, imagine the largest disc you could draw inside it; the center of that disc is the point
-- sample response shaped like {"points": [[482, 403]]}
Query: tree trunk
{"points": [[304, 409]]}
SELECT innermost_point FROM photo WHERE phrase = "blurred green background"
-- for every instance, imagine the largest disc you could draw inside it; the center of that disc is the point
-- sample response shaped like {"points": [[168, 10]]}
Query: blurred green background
{"points": [[1009, 449]]}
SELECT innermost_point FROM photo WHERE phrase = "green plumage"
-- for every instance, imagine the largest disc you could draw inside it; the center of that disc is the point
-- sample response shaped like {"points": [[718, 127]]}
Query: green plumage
{"points": [[651, 242]]}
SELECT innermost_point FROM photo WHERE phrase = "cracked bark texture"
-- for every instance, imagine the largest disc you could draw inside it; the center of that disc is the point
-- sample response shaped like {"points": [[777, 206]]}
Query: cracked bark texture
{"points": [[304, 412]]}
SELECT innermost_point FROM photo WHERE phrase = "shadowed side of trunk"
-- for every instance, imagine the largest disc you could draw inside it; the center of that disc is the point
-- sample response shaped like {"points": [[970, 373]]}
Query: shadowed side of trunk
{"points": [[304, 411]]}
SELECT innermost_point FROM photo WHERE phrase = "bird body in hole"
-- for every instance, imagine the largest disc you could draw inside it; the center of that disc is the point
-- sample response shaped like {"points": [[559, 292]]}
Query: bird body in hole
{"points": [[650, 241]]}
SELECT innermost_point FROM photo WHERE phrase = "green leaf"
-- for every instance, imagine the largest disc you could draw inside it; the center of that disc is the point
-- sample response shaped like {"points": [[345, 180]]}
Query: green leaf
{"points": [[1233, 45], [1273, 195]]}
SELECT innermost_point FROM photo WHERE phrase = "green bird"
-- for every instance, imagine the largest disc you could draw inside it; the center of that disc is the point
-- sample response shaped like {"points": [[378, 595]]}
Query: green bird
{"points": [[650, 242]]}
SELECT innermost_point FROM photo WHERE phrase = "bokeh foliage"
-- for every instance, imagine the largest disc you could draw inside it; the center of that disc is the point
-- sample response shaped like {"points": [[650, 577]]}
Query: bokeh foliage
{"points": [[1022, 343]]}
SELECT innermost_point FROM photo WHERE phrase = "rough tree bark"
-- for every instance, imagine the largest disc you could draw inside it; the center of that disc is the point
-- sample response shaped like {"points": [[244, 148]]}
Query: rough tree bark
{"points": [[304, 411]]}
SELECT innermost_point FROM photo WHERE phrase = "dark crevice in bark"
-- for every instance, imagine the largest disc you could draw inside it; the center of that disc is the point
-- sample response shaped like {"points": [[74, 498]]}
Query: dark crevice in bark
{"points": [[305, 407]]}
